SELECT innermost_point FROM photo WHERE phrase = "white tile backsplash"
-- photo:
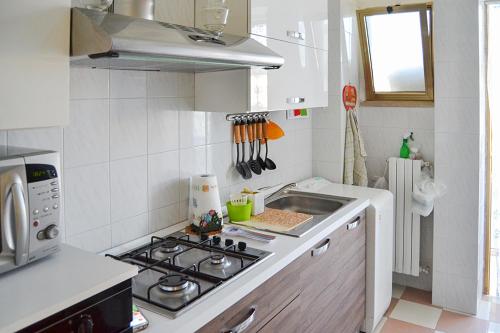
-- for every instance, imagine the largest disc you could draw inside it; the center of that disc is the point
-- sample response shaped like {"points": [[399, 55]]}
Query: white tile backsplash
{"points": [[128, 128], [133, 142], [129, 187]]}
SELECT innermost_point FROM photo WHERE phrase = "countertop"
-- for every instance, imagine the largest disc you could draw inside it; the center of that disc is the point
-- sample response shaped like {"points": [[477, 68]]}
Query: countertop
{"points": [[285, 248], [49, 285]]}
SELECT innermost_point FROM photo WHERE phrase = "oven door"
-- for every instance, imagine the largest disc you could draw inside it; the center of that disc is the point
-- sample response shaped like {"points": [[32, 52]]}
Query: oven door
{"points": [[14, 222]]}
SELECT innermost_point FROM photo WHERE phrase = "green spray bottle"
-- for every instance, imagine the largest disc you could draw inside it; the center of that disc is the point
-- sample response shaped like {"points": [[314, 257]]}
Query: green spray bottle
{"points": [[404, 152]]}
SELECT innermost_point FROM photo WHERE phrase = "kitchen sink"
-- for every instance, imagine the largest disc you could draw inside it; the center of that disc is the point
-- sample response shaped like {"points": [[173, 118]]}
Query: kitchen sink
{"points": [[320, 206]]}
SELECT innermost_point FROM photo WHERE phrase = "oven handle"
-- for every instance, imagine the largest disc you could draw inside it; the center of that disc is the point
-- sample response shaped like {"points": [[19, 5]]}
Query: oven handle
{"points": [[21, 218], [241, 327]]}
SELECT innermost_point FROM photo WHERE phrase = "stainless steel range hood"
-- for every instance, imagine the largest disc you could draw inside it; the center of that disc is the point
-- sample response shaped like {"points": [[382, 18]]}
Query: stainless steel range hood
{"points": [[105, 40]]}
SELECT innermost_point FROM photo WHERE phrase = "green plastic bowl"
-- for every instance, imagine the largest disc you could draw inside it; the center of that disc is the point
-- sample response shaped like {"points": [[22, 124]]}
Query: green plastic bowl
{"points": [[239, 213]]}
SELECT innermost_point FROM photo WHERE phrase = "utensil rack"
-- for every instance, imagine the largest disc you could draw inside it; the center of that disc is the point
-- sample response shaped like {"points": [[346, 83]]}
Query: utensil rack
{"points": [[247, 116]]}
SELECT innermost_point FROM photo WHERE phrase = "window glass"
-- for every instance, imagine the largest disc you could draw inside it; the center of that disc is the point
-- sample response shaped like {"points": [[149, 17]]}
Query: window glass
{"points": [[395, 46]]}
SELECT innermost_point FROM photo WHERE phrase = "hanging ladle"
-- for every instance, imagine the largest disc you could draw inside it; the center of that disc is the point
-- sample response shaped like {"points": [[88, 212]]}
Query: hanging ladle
{"points": [[244, 165], [237, 141], [270, 165]]}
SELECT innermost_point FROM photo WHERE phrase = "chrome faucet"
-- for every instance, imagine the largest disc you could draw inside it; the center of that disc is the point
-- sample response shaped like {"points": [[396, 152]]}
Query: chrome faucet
{"points": [[281, 190]]}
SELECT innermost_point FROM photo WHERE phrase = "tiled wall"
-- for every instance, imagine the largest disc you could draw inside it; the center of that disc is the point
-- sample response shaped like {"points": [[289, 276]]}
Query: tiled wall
{"points": [[459, 149], [131, 145]]}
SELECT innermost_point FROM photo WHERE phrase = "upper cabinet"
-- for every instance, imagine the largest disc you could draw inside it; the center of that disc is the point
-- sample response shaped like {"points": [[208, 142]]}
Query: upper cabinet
{"points": [[297, 30], [34, 61], [302, 22]]}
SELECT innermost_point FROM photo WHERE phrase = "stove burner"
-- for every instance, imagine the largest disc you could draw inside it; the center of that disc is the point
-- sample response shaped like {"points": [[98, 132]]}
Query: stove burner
{"points": [[217, 259], [173, 283], [169, 246]]}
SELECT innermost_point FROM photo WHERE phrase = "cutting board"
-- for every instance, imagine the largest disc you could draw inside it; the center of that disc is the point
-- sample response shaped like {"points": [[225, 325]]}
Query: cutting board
{"points": [[276, 220]]}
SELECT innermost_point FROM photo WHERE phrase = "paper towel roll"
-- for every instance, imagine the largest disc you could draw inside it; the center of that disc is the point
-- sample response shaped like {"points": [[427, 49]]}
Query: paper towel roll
{"points": [[204, 203]]}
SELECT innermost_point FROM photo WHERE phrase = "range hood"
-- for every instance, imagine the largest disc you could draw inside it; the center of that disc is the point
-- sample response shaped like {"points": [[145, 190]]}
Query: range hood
{"points": [[106, 40]]}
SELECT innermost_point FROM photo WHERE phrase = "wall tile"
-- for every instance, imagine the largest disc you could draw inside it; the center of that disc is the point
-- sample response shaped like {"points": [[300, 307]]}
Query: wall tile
{"points": [[50, 138], [163, 217], [192, 127], [87, 83], [96, 240], [87, 203], [163, 125], [453, 80], [219, 163], [129, 229], [3, 138], [128, 132], [89, 119], [162, 84], [218, 129], [129, 187], [457, 115], [193, 162], [163, 179], [127, 84]]}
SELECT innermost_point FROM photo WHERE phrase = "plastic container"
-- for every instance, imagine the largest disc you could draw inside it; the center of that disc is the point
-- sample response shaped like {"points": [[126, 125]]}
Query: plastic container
{"points": [[239, 213]]}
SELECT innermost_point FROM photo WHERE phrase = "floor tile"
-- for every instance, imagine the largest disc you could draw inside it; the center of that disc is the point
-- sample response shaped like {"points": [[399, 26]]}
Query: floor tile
{"points": [[484, 310], [397, 290], [451, 322], [418, 314], [394, 301], [397, 326], [417, 296]]}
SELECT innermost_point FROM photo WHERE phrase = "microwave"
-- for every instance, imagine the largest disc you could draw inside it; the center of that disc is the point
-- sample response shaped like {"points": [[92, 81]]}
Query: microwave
{"points": [[30, 206]]}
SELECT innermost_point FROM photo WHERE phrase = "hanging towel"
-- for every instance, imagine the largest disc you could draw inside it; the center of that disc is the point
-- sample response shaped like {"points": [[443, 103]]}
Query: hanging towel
{"points": [[354, 154]]}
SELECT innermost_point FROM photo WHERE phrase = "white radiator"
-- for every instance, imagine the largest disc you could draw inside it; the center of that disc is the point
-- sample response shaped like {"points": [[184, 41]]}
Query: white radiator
{"points": [[403, 174]]}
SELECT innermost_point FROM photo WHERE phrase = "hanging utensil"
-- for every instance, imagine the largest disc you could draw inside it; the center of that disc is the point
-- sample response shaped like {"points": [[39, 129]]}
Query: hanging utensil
{"points": [[270, 165], [244, 165], [260, 140], [254, 165], [274, 131], [237, 141]]}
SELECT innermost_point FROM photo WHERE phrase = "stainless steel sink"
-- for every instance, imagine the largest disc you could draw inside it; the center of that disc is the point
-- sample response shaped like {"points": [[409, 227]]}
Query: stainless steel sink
{"points": [[320, 206]]}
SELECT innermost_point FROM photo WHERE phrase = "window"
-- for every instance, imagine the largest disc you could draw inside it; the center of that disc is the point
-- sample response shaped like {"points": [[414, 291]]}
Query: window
{"points": [[396, 45]]}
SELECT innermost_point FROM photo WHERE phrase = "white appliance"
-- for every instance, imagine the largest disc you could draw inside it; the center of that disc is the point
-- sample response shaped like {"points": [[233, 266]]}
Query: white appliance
{"points": [[379, 243], [29, 206]]}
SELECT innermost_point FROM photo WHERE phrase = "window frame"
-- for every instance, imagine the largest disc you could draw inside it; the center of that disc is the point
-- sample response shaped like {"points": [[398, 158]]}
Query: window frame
{"points": [[404, 97]]}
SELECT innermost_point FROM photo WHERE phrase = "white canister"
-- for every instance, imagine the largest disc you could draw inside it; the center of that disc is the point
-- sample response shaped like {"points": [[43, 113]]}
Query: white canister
{"points": [[204, 203]]}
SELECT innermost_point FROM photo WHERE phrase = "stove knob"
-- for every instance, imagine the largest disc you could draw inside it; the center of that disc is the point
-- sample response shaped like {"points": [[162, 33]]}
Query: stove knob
{"points": [[204, 237], [216, 240], [51, 231], [242, 246], [229, 242]]}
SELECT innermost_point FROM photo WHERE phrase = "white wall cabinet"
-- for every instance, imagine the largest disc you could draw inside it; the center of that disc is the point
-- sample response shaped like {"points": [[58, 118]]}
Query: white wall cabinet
{"points": [[34, 62], [302, 22], [302, 82]]}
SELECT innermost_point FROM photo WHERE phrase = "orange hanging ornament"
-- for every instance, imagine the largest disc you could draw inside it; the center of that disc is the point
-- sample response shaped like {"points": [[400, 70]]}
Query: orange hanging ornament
{"points": [[349, 97]]}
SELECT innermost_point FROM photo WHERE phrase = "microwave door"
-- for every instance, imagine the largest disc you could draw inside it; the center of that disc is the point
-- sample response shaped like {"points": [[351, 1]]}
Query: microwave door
{"points": [[15, 228]]}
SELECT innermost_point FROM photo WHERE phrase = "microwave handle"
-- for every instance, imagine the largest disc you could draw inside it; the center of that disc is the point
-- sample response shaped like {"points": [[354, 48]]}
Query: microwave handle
{"points": [[22, 227]]}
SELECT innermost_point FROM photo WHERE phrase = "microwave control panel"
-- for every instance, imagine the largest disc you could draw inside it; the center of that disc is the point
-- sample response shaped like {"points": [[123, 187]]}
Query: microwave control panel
{"points": [[44, 209]]}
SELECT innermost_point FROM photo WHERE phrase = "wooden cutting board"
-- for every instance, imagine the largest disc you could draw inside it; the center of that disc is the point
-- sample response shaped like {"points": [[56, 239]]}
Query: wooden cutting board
{"points": [[276, 220]]}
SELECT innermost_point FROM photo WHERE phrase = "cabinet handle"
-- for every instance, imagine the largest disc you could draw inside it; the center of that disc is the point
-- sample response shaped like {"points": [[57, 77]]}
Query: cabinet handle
{"points": [[241, 327], [295, 34], [295, 100], [354, 224], [322, 249]]}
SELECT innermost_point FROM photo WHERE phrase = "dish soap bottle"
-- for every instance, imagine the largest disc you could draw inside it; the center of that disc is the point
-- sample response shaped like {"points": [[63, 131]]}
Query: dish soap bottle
{"points": [[404, 152]]}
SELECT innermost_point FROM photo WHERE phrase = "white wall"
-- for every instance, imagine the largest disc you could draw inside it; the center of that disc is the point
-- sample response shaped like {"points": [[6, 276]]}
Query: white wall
{"points": [[459, 149], [131, 145]]}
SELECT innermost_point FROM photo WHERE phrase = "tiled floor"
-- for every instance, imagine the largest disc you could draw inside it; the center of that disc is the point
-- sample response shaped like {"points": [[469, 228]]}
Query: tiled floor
{"points": [[411, 311]]}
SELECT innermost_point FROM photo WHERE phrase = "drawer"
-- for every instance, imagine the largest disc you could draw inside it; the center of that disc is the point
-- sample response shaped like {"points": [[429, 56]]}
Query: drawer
{"points": [[287, 321], [262, 304]]}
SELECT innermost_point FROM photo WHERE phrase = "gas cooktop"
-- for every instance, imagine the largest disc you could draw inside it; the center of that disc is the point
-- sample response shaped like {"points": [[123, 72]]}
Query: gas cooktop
{"points": [[177, 270]]}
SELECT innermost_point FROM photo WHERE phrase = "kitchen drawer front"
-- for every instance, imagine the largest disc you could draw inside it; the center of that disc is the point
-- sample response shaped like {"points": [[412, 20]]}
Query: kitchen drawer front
{"points": [[287, 321], [338, 247], [261, 305]]}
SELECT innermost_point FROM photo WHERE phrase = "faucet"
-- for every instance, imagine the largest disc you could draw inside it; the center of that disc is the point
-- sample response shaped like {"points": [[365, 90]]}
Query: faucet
{"points": [[281, 190]]}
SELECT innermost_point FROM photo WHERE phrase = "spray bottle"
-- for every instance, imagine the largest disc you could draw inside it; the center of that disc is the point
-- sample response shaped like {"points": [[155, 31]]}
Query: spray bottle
{"points": [[404, 152]]}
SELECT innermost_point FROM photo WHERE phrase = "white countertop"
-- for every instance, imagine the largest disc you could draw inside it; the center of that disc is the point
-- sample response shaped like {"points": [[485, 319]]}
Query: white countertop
{"points": [[285, 248], [47, 286]]}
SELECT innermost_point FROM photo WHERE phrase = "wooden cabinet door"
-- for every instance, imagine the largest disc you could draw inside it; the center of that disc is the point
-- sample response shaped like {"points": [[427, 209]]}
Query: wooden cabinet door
{"points": [[287, 321], [34, 62]]}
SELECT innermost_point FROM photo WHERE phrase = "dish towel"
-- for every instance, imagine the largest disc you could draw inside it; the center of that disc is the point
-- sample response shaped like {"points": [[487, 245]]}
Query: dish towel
{"points": [[354, 154]]}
